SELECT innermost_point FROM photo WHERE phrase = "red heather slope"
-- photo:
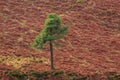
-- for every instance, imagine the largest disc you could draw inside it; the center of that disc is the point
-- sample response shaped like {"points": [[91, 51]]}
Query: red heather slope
{"points": [[92, 44]]}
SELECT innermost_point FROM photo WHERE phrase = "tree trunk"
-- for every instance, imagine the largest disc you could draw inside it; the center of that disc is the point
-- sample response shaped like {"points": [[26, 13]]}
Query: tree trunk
{"points": [[51, 55]]}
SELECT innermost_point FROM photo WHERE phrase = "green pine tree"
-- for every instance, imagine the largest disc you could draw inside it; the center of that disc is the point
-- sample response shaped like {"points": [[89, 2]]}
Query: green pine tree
{"points": [[52, 31]]}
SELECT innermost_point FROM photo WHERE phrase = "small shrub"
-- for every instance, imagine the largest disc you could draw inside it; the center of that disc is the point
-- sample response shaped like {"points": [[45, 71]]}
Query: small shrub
{"points": [[39, 74], [17, 74], [72, 74], [56, 73]]}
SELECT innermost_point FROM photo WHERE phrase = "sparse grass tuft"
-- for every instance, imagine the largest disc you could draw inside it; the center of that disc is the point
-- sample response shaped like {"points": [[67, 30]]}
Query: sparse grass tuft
{"points": [[20, 39], [31, 31], [1, 14], [80, 1]]}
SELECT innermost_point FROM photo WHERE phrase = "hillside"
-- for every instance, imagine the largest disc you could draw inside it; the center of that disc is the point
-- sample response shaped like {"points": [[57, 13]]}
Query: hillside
{"points": [[92, 44]]}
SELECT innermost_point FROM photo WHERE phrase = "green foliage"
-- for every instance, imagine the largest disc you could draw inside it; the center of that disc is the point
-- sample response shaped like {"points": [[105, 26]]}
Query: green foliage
{"points": [[52, 30], [72, 74], [17, 74], [114, 77], [45, 75], [57, 72], [39, 74]]}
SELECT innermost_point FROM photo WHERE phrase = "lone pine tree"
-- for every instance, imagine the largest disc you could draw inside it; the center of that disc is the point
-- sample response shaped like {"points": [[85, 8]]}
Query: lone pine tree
{"points": [[52, 31]]}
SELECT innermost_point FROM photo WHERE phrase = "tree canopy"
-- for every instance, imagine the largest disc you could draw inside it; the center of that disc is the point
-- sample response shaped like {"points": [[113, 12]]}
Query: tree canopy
{"points": [[52, 30]]}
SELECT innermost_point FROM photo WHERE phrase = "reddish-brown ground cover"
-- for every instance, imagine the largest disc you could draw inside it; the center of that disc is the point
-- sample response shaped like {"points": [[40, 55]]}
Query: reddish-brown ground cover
{"points": [[91, 46]]}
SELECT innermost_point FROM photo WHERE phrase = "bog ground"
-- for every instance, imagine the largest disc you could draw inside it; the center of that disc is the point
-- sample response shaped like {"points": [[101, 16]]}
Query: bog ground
{"points": [[92, 44]]}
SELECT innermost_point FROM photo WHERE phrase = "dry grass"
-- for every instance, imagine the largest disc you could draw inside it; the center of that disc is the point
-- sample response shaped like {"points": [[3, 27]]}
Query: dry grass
{"points": [[17, 62]]}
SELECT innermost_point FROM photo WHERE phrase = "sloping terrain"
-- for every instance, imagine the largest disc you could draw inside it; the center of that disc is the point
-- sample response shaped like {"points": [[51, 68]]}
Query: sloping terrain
{"points": [[92, 44]]}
